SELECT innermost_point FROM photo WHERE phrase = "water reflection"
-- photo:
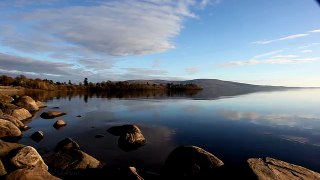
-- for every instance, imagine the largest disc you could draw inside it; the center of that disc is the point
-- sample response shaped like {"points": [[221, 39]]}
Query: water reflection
{"points": [[283, 125]]}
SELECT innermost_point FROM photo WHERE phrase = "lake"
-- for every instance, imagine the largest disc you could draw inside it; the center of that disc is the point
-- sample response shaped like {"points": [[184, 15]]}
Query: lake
{"points": [[281, 124]]}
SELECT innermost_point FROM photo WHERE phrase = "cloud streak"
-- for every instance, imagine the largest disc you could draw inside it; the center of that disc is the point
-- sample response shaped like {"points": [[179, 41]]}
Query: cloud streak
{"points": [[294, 36]]}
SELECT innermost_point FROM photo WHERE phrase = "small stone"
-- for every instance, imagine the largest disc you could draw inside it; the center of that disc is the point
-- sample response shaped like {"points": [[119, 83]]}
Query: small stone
{"points": [[66, 144], [99, 136], [51, 114], [59, 124], [37, 136]]}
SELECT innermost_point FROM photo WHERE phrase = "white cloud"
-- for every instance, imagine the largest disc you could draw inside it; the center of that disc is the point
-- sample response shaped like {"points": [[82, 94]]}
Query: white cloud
{"points": [[267, 54], [315, 31], [282, 60], [294, 36], [306, 51], [112, 27]]}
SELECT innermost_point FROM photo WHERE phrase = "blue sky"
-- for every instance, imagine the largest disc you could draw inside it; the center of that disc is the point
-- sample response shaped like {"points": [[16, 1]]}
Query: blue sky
{"points": [[274, 42]]}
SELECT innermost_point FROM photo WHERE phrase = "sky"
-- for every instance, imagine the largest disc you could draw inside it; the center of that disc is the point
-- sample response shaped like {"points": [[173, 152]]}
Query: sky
{"points": [[274, 42]]}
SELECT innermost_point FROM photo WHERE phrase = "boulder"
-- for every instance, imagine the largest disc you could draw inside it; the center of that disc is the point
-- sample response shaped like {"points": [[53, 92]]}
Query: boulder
{"points": [[33, 173], [130, 138], [12, 119], [130, 173], [269, 168], [72, 159], [8, 129], [51, 114], [187, 161], [21, 114], [28, 157], [5, 98], [26, 102], [37, 136], [66, 144], [7, 108], [3, 170], [59, 124], [7, 147], [40, 104]]}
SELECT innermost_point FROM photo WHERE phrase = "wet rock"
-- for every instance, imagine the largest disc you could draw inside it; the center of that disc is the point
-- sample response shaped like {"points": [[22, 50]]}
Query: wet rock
{"points": [[68, 156], [7, 147], [3, 170], [33, 173], [12, 119], [130, 173], [59, 124], [99, 136], [40, 104], [269, 168], [72, 159], [28, 157], [131, 137], [8, 129], [186, 161], [79, 116], [21, 114], [66, 144], [5, 98], [27, 102], [51, 114], [37, 136]]}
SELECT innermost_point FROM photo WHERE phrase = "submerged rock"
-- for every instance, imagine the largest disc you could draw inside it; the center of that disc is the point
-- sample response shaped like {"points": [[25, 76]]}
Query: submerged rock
{"points": [[37, 136], [269, 168], [130, 138], [66, 144], [51, 114], [189, 160], [27, 102], [32, 173], [8, 129], [40, 104], [59, 124], [99, 136], [28, 157]]}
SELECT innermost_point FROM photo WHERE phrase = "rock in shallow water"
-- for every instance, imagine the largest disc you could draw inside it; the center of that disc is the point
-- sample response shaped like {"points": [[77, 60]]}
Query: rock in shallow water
{"points": [[40, 104], [37, 136], [66, 144], [59, 124], [131, 137], [189, 160], [269, 168], [51, 114]]}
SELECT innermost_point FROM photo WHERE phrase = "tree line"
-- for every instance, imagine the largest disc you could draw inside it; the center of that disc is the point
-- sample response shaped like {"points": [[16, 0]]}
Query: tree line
{"points": [[45, 84]]}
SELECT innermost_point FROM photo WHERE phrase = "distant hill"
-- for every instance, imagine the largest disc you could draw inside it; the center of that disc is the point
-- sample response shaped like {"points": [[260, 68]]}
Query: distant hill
{"points": [[214, 88]]}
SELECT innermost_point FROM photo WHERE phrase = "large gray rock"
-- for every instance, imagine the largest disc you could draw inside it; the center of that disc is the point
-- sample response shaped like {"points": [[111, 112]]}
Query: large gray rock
{"points": [[7, 147], [5, 98], [21, 114], [28, 157], [30, 174], [130, 138], [27, 102], [269, 169], [51, 114], [190, 160], [8, 129]]}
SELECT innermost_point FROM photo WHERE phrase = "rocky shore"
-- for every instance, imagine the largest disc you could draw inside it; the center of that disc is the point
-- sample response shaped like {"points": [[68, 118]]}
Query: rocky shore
{"points": [[69, 161]]}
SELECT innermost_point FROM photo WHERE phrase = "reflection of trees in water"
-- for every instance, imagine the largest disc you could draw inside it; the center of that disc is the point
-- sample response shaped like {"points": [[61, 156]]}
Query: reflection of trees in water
{"points": [[85, 95]]}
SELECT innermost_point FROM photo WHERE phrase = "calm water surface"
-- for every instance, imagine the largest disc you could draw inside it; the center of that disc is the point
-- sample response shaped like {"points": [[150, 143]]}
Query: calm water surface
{"points": [[283, 125]]}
